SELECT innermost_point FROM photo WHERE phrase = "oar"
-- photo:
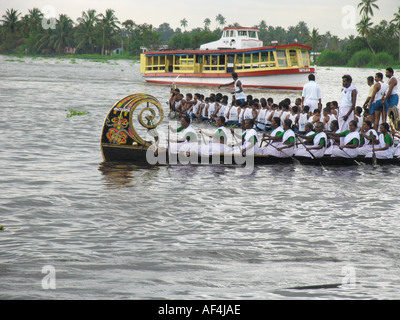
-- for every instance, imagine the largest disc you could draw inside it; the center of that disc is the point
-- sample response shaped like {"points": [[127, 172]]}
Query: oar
{"points": [[320, 163], [312, 155], [293, 158], [351, 157], [201, 132], [374, 161], [173, 83], [168, 146]]}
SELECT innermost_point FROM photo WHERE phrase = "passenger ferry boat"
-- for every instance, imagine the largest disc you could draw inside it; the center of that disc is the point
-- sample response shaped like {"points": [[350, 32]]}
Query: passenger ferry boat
{"points": [[239, 50]]}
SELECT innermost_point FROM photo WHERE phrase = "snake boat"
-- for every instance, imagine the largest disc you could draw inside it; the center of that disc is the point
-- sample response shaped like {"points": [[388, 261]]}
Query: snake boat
{"points": [[130, 133]]}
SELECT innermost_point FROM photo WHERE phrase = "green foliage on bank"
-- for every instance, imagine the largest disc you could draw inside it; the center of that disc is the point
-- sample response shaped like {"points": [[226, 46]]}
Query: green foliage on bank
{"points": [[360, 59]]}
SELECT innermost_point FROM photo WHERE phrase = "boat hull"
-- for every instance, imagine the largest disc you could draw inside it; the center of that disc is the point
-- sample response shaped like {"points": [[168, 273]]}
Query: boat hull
{"points": [[293, 79], [142, 156]]}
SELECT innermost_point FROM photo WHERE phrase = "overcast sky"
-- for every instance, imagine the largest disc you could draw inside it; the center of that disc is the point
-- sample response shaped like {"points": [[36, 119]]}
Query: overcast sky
{"points": [[338, 17]]}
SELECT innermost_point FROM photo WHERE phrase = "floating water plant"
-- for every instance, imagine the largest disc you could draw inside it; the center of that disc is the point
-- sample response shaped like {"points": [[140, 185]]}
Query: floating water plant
{"points": [[73, 112]]}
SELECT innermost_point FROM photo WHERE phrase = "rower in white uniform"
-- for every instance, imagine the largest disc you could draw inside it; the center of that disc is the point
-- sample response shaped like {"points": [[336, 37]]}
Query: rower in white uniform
{"points": [[370, 136], [319, 144], [248, 138], [351, 142], [385, 149], [186, 140], [274, 137], [219, 139]]}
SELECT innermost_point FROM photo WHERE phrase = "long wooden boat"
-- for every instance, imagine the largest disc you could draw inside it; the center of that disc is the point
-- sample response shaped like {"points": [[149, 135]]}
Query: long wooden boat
{"points": [[130, 134], [239, 50]]}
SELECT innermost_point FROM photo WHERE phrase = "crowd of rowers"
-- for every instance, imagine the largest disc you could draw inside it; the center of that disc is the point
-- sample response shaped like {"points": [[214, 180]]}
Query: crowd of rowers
{"points": [[280, 130]]}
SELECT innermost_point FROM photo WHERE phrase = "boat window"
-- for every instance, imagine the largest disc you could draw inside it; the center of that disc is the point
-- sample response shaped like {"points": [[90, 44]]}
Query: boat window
{"points": [[293, 58], [305, 59], [242, 33], [252, 34], [282, 61]]}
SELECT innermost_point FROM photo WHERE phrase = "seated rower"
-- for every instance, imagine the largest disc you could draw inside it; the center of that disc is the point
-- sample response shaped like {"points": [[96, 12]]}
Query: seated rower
{"points": [[369, 135], [285, 147], [233, 114], [274, 137], [396, 134], [303, 119], [385, 148], [187, 139], [351, 142], [319, 144], [294, 116], [334, 140], [306, 138], [260, 123], [204, 109], [249, 138], [219, 139]]}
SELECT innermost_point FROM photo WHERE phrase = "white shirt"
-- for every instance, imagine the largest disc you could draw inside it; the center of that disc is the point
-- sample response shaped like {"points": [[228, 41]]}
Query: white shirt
{"points": [[312, 91], [238, 95], [395, 88]]}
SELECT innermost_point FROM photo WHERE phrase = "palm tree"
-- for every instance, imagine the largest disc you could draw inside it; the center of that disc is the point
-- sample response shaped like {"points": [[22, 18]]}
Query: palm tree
{"points": [[262, 25], [128, 25], [45, 40], [207, 23], [396, 23], [60, 36], [109, 24], [86, 30], [184, 23], [314, 38], [35, 19], [220, 19], [366, 7], [364, 28], [10, 23]]}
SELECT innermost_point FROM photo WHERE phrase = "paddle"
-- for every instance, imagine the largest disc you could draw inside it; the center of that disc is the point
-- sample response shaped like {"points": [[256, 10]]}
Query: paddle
{"points": [[312, 155], [293, 158], [173, 83], [358, 163], [374, 161]]}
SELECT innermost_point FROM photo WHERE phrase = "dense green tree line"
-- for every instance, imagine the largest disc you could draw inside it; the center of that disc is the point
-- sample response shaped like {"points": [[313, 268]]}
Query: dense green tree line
{"points": [[98, 33]]}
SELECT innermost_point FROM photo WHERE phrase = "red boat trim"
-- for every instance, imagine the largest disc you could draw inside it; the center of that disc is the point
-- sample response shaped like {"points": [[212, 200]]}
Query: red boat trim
{"points": [[228, 75], [217, 84]]}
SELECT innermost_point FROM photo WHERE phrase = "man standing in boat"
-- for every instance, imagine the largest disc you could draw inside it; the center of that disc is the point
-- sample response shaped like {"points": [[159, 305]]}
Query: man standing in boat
{"points": [[238, 88], [391, 97], [348, 105], [311, 95]]}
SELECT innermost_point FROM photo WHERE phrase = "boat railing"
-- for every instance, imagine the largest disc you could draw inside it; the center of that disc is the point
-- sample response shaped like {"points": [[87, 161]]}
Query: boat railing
{"points": [[220, 63]]}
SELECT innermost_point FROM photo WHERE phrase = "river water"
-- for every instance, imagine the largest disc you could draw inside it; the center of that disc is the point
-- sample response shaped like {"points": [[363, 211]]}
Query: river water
{"points": [[78, 228]]}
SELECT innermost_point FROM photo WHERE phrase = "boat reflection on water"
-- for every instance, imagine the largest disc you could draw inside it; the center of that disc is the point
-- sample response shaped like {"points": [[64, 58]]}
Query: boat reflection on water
{"points": [[120, 174]]}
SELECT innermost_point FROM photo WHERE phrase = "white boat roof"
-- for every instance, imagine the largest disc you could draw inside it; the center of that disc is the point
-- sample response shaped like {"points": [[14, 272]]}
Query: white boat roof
{"points": [[235, 38]]}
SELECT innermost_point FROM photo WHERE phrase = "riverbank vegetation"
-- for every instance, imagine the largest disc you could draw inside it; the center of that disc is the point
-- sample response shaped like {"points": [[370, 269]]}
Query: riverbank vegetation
{"points": [[101, 36]]}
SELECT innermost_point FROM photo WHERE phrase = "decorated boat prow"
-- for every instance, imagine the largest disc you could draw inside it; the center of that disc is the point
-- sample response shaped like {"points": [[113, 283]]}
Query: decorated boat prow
{"points": [[129, 128]]}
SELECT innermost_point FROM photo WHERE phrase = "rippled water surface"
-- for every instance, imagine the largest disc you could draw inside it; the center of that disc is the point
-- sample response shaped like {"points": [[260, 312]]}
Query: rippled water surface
{"points": [[118, 231]]}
